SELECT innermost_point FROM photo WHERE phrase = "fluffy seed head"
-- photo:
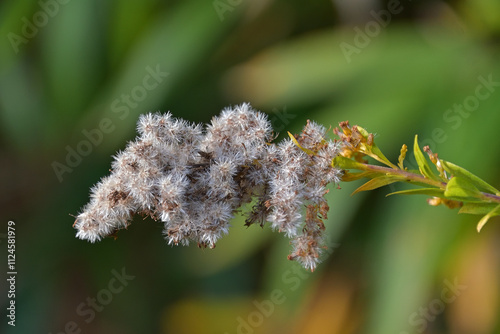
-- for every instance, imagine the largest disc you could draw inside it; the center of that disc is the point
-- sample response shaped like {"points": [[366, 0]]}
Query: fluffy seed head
{"points": [[194, 180]]}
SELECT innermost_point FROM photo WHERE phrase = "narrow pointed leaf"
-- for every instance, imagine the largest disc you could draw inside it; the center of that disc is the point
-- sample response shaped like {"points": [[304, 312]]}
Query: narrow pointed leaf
{"points": [[485, 219], [461, 188], [347, 177], [478, 208], [377, 183], [425, 168], [346, 163], [461, 172], [307, 151], [434, 192], [374, 151], [378, 153], [402, 156], [363, 131]]}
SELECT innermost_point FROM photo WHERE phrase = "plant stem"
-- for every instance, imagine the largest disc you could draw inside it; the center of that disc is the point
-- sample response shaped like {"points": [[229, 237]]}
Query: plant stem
{"points": [[490, 197], [416, 178], [410, 177]]}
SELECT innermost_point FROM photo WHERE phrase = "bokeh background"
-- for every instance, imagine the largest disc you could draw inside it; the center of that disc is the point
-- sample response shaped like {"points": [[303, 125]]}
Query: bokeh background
{"points": [[398, 68]]}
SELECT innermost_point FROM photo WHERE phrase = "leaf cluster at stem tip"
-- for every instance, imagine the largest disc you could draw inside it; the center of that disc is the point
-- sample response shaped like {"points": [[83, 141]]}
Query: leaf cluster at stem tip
{"points": [[445, 182]]}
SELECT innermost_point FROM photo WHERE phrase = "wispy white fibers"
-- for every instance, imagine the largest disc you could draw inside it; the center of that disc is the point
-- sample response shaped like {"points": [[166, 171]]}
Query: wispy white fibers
{"points": [[194, 180]]}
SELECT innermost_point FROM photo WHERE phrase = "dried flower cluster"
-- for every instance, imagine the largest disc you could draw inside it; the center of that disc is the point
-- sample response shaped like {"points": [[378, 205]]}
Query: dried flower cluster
{"points": [[195, 179]]}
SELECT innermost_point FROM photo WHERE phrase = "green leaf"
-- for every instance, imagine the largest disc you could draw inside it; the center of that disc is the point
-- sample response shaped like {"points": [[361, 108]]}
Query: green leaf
{"points": [[307, 151], [463, 173], [363, 131], [346, 163], [425, 168], [348, 177], [478, 208], [461, 188], [402, 155], [434, 192], [485, 219], [375, 152], [378, 182]]}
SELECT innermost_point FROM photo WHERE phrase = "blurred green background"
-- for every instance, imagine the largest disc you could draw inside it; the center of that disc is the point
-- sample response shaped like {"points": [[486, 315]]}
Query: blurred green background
{"points": [[398, 69]]}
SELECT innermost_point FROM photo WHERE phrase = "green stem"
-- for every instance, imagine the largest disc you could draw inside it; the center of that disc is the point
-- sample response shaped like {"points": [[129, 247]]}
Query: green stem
{"points": [[490, 197], [416, 178], [410, 177]]}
